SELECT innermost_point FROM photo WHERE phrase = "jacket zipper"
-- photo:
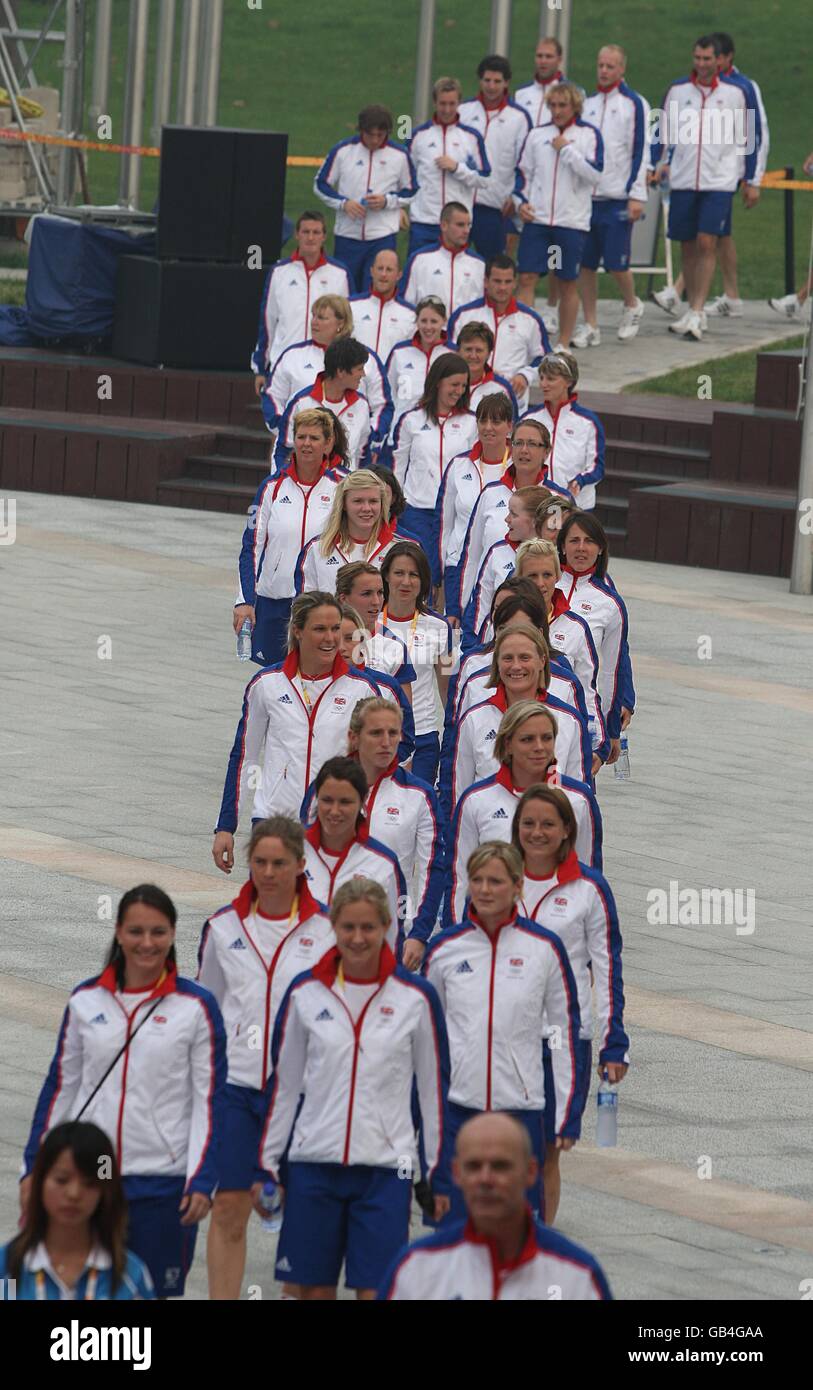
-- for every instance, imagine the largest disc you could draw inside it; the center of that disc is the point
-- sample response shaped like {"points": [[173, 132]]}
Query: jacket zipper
{"points": [[356, 1049]]}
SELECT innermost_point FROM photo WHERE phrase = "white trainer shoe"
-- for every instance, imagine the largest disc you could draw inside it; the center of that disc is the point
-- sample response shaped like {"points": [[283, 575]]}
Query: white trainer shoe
{"points": [[586, 336], [788, 306], [631, 321], [690, 326], [667, 300], [724, 308]]}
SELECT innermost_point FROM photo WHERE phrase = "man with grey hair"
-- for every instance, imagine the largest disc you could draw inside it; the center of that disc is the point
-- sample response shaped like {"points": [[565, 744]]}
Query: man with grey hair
{"points": [[501, 1252], [451, 164]]}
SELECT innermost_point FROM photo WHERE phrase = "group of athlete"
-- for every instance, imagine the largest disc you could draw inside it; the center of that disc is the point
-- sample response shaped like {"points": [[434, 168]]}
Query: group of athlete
{"points": [[400, 1004]]}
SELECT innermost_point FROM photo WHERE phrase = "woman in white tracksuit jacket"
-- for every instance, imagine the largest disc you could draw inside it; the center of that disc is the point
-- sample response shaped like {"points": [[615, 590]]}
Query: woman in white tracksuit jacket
{"points": [[142, 1054], [294, 716], [498, 977], [357, 528], [353, 1037], [576, 903], [576, 461], [409, 360], [249, 953]]}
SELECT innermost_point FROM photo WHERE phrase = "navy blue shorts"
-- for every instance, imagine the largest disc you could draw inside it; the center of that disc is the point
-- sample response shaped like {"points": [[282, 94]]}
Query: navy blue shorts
{"points": [[426, 757], [359, 255], [155, 1233], [243, 1119], [488, 231], [539, 244], [585, 1059], [456, 1117], [421, 235], [334, 1214], [610, 236], [424, 522], [691, 212], [269, 640]]}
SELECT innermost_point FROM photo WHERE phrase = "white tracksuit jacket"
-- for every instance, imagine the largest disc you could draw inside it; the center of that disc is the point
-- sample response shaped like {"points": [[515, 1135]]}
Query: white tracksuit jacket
{"points": [[407, 366], [563, 684], [764, 137], [428, 639], [492, 384], [300, 365], [454, 277], [495, 992], [503, 130], [604, 611], [486, 812], [520, 338], [381, 323], [288, 297], [247, 984], [280, 745], [458, 1264], [437, 187], [364, 857], [709, 134], [498, 564], [533, 98], [463, 482], [576, 903], [353, 410], [560, 184], [487, 525], [283, 517], [357, 1078], [317, 571], [162, 1103], [423, 449], [352, 171], [622, 117], [473, 756], [577, 447]]}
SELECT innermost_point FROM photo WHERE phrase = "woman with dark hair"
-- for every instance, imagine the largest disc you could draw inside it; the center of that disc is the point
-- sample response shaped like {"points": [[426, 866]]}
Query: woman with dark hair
{"points": [[410, 360], [430, 646], [72, 1242], [576, 903], [463, 482], [294, 716], [359, 1053], [426, 439], [249, 953], [475, 342], [142, 1051], [589, 593]]}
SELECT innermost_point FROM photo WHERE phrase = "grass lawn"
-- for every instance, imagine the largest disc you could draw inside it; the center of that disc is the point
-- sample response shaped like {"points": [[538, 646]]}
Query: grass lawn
{"points": [[733, 378], [308, 70]]}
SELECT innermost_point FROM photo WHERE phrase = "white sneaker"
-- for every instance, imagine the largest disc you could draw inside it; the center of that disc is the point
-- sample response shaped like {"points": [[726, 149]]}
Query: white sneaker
{"points": [[704, 323], [788, 306], [690, 326], [562, 347], [550, 318], [586, 336], [631, 321], [724, 308], [667, 300]]}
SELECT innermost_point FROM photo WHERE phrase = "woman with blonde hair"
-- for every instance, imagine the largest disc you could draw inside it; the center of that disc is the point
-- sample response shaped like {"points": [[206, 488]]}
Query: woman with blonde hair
{"points": [[357, 527], [499, 978], [520, 670]]}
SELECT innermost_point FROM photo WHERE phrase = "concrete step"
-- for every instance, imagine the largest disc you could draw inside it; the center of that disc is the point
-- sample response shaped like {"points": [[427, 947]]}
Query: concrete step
{"points": [[205, 494]]}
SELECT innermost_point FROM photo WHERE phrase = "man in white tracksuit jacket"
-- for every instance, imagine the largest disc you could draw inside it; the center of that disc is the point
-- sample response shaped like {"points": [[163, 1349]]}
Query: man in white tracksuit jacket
{"points": [[291, 287], [503, 126], [450, 161]]}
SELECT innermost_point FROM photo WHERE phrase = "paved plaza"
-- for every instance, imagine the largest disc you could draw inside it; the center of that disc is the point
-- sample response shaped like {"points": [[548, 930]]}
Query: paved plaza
{"points": [[120, 695]]}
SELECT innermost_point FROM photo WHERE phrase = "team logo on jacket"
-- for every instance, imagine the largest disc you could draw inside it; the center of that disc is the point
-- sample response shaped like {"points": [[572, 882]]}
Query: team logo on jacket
{"points": [[325, 497], [159, 1018], [586, 607], [570, 431], [284, 700], [491, 735], [560, 902], [386, 1011], [333, 560], [339, 700], [306, 941], [238, 944], [500, 814], [285, 501], [324, 1017], [464, 968], [500, 506], [517, 962], [100, 1018], [393, 811], [466, 477]]}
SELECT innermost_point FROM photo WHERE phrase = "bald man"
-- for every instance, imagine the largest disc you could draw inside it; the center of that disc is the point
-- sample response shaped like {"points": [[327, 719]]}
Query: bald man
{"points": [[500, 1253], [380, 317]]}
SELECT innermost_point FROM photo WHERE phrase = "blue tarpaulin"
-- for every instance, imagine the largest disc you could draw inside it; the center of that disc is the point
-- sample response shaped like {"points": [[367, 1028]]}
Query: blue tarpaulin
{"points": [[14, 330], [71, 285]]}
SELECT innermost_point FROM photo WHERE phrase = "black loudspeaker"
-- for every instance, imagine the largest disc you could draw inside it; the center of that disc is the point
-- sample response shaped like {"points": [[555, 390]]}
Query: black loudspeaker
{"points": [[221, 192], [185, 314]]}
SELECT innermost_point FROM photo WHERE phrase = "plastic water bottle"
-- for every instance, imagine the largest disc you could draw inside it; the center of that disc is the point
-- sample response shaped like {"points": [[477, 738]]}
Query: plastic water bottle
{"points": [[244, 641], [622, 766], [271, 1203], [607, 1117]]}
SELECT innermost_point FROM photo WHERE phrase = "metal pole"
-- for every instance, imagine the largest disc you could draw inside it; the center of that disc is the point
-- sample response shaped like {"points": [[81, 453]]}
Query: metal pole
{"points": [[801, 569], [103, 34], [162, 92], [209, 86], [500, 41], [70, 88], [132, 134], [790, 275], [548, 21], [422, 106], [565, 20], [188, 77]]}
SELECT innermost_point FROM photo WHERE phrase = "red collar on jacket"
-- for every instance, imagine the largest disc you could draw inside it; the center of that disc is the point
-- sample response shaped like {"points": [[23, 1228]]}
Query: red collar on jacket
{"points": [[167, 985], [605, 90], [577, 574], [327, 968], [317, 391], [509, 477], [563, 128], [290, 666], [509, 921], [559, 603], [289, 470], [506, 780], [385, 298], [308, 905], [553, 411], [707, 86], [501, 104], [435, 120], [500, 1267], [547, 81], [500, 700], [570, 869], [310, 269], [510, 308], [453, 250], [416, 342], [314, 836]]}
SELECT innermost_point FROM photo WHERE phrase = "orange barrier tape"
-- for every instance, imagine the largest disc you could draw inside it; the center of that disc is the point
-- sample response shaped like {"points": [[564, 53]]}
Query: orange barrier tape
{"points": [[295, 161], [787, 183]]}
